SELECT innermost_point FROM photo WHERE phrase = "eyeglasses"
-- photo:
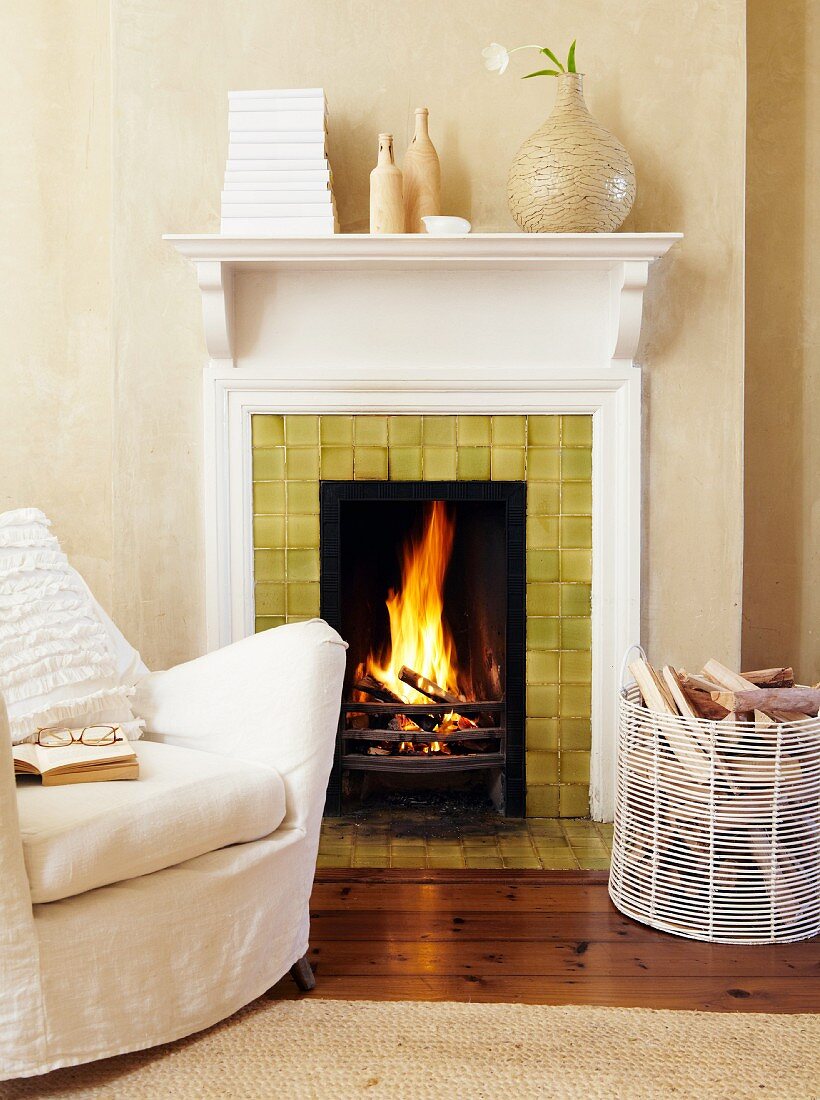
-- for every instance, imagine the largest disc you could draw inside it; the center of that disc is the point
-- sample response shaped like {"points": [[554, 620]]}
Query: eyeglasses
{"points": [[59, 737]]}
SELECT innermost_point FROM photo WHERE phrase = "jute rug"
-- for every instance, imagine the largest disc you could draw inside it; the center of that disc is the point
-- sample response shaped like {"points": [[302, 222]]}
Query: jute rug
{"points": [[333, 1050]]}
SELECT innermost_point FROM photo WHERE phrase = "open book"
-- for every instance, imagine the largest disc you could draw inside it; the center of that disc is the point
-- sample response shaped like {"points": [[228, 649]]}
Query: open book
{"points": [[77, 763]]}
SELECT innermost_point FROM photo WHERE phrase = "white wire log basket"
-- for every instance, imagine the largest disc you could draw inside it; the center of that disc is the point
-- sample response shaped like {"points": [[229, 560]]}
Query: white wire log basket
{"points": [[717, 826]]}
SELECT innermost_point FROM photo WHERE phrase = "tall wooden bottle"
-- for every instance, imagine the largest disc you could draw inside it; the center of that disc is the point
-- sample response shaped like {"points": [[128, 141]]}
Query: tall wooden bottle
{"points": [[386, 205], [422, 177]]}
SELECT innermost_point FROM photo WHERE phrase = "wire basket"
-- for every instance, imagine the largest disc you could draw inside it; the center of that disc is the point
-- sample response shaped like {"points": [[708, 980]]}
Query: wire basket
{"points": [[717, 826]]}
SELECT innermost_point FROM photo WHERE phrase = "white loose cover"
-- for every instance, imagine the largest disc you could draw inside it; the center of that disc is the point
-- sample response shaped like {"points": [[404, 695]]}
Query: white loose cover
{"points": [[154, 958], [184, 804]]}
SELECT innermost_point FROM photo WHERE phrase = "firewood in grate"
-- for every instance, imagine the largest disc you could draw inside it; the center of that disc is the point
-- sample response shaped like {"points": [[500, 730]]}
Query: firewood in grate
{"points": [[428, 687]]}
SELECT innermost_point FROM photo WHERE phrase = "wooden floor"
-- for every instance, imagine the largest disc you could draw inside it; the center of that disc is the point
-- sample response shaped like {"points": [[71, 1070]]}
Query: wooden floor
{"points": [[541, 937]]}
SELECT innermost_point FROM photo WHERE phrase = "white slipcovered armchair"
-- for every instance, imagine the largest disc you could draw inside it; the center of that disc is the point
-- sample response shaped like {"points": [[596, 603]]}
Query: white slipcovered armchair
{"points": [[133, 913]]}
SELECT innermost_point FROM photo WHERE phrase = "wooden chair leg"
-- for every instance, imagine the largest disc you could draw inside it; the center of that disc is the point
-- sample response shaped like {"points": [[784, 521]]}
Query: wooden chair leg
{"points": [[302, 974]]}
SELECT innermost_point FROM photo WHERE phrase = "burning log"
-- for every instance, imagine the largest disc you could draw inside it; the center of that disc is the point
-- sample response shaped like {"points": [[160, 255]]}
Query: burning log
{"points": [[427, 687], [369, 685]]}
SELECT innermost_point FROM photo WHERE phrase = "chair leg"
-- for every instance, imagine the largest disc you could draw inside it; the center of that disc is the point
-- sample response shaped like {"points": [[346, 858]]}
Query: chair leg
{"points": [[302, 974]]}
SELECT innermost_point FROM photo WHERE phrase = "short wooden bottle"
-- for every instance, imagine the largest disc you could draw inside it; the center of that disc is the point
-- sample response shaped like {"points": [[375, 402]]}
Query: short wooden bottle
{"points": [[422, 177], [386, 205]]}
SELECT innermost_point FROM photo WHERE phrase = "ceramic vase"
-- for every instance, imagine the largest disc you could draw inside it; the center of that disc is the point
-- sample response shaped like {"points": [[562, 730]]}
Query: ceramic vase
{"points": [[386, 203], [422, 177], [572, 175]]}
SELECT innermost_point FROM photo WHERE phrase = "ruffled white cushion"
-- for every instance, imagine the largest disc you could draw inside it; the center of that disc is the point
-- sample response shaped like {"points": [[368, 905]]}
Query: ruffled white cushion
{"points": [[62, 660]]}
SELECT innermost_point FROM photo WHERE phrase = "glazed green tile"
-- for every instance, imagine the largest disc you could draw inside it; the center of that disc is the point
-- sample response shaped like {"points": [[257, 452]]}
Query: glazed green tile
{"points": [[268, 463], [302, 463], [439, 431], [509, 431], [576, 532], [576, 633], [576, 465], [543, 734], [336, 431], [301, 431], [576, 431], [576, 498], [542, 532], [575, 599], [573, 801], [370, 431], [508, 463], [576, 667], [543, 498], [543, 633], [542, 701], [268, 622], [303, 531], [269, 565], [404, 431], [542, 802], [543, 599], [484, 862], [370, 463], [576, 565], [270, 599], [303, 599], [475, 431], [303, 498], [268, 531], [267, 431], [575, 767], [473, 464], [593, 863], [302, 565], [542, 667], [542, 565], [522, 863], [543, 464], [542, 767], [439, 463], [337, 463], [576, 700], [404, 463], [268, 497], [544, 431]]}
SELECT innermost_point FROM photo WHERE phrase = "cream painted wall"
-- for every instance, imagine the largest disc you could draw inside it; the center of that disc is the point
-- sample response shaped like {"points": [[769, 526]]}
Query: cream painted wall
{"points": [[781, 609]]}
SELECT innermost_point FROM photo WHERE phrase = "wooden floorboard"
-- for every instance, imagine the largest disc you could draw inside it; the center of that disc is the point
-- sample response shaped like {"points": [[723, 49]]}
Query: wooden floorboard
{"points": [[535, 937]]}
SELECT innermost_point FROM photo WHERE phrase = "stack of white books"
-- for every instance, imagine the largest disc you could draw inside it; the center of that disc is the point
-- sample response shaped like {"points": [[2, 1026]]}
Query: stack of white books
{"points": [[277, 180]]}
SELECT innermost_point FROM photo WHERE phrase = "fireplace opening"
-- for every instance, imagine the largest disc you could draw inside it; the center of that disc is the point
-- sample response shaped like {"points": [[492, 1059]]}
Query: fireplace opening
{"points": [[425, 580]]}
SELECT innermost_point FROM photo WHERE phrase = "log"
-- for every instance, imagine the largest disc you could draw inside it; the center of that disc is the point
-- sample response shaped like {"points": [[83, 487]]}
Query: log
{"points": [[770, 677], [685, 746], [654, 693], [699, 693], [369, 685], [804, 700], [689, 709], [732, 681], [428, 687]]}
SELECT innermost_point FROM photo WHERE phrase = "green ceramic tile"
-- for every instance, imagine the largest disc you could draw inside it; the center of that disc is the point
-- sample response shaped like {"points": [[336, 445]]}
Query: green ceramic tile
{"points": [[473, 463], [575, 701], [576, 431], [270, 599], [576, 465], [302, 463], [301, 431], [404, 463], [475, 431], [336, 431], [542, 802], [542, 701], [543, 633], [302, 565], [269, 565], [543, 498], [303, 531], [303, 497], [544, 431], [542, 667], [542, 733], [575, 733], [508, 463], [542, 531], [575, 767], [267, 431], [268, 622], [268, 531], [576, 532], [269, 497], [576, 565], [370, 463], [576, 633], [542, 767], [576, 667], [509, 431], [439, 463], [542, 565], [439, 431], [268, 463], [573, 801], [575, 599], [522, 863], [404, 431], [337, 463], [543, 464], [370, 431], [303, 599], [576, 498], [543, 599]]}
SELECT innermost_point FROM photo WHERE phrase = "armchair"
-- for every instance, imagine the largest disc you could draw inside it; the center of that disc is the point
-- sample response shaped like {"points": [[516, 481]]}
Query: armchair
{"points": [[148, 957]]}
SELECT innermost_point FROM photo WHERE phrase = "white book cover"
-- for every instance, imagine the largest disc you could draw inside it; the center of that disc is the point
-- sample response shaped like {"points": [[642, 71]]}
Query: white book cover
{"points": [[276, 210], [306, 167], [262, 186], [316, 199], [278, 227], [278, 93], [296, 106], [241, 122], [261, 151], [276, 137]]}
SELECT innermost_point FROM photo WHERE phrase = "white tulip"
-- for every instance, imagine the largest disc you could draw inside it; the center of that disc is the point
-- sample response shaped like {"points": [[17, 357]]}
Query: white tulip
{"points": [[496, 57]]}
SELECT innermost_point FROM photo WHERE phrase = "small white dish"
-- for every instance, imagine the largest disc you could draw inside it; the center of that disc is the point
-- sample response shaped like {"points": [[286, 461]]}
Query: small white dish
{"points": [[438, 226]]}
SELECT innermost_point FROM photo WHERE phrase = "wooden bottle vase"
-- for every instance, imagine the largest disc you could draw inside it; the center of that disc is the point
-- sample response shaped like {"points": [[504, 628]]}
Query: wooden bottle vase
{"points": [[422, 177], [386, 205]]}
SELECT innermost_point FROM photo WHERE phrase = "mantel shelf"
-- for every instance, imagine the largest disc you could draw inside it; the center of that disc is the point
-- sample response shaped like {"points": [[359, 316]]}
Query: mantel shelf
{"points": [[626, 256]]}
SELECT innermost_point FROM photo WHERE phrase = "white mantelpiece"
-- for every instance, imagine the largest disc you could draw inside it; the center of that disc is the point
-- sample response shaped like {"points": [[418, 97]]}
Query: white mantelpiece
{"points": [[488, 323]]}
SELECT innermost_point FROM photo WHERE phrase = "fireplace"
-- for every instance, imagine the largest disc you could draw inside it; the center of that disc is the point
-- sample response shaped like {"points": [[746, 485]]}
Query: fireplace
{"points": [[426, 581]]}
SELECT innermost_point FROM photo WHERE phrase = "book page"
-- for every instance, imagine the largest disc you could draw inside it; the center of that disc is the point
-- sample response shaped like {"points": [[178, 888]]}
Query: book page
{"points": [[27, 753], [73, 756]]}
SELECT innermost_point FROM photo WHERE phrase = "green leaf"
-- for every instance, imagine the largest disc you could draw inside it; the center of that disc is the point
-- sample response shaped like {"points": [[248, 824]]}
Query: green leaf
{"points": [[542, 72], [571, 59], [546, 50]]}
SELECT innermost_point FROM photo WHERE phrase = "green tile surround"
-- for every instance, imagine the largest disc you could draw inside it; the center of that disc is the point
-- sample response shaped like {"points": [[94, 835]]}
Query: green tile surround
{"points": [[552, 453]]}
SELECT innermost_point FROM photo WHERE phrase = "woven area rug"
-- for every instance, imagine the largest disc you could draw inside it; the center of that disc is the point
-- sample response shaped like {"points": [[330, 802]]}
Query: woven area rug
{"points": [[332, 1050]]}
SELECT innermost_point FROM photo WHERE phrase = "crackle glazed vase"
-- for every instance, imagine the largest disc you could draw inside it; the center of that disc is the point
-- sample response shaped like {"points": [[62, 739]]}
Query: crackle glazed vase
{"points": [[572, 175]]}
